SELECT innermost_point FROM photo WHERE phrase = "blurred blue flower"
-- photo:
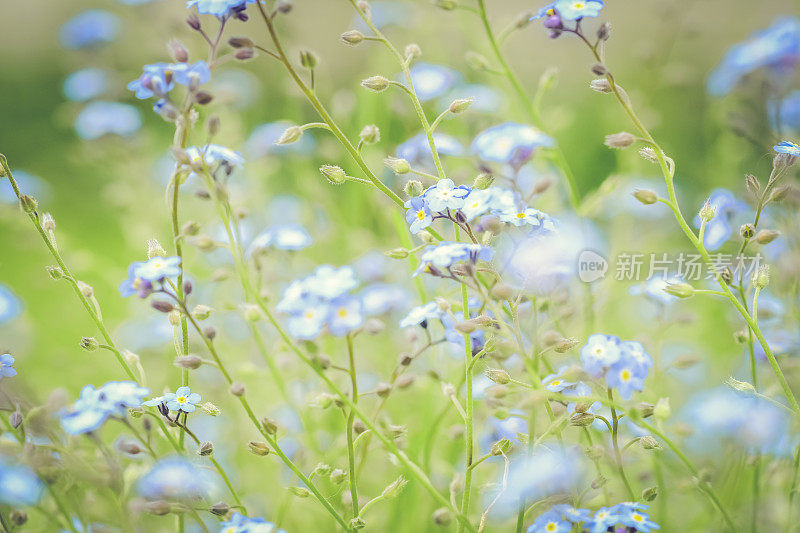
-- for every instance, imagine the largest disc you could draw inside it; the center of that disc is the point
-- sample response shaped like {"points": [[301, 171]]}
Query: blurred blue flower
{"points": [[90, 28], [345, 316], [509, 428], [330, 282], [6, 368], [485, 99], [385, 13], [27, 182], [417, 150], [94, 406], [174, 478], [654, 287], [446, 254], [19, 485], [520, 216], [625, 376], [787, 147], [158, 79], [776, 48], [215, 156], [784, 114], [10, 305], [219, 8], [456, 337], [554, 382], [510, 143], [102, 118], [291, 237], [85, 84], [421, 315], [722, 414], [238, 523], [600, 352], [382, 298], [432, 81]]}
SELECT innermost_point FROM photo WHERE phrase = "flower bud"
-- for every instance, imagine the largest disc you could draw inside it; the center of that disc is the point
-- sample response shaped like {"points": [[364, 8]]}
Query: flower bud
{"points": [[761, 277], [460, 105], [404, 381], [649, 494], [645, 196], [290, 135], [338, 476], [484, 180], [352, 37], [251, 313], [741, 386], [258, 448], [270, 426], [241, 42], [28, 203], [477, 61], [649, 154], [566, 344], [237, 388], [766, 236], [55, 272], [48, 222], [162, 306], [662, 410], [322, 469], [398, 166], [707, 212], [205, 449], [210, 409], [15, 419], [370, 134], [335, 175], [582, 419], [308, 59], [752, 184], [202, 312], [158, 507], [89, 344], [394, 489], [412, 51], [747, 231], [447, 5], [154, 249], [18, 517], [622, 139], [243, 54], [498, 375], [177, 51], [501, 447], [681, 290], [189, 362], [375, 83], [649, 443], [203, 97], [779, 193], [322, 401], [219, 509], [442, 517], [600, 85]]}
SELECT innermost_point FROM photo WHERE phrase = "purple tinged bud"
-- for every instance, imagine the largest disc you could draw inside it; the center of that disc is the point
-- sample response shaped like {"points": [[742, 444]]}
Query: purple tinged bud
{"points": [[552, 22]]}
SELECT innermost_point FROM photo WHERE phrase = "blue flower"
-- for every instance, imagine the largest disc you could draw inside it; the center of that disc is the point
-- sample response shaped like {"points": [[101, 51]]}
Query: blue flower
{"points": [[599, 352], [550, 522], [576, 516], [174, 478], [158, 79], [10, 305], [604, 518], [85, 84], [477, 202], [654, 287], [238, 523], [102, 118], [345, 316], [510, 143], [445, 195], [195, 74], [787, 147], [577, 9], [784, 114], [219, 8], [631, 515], [94, 406], [555, 383], [431, 81], [635, 352], [445, 254], [776, 48], [418, 215], [456, 337], [330, 282], [420, 315], [519, 216], [6, 370], [292, 237], [158, 268], [544, 11], [182, 399], [215, 157], [90, 28], [625, 376], [19, 485], [417, 150], [308, 323]]}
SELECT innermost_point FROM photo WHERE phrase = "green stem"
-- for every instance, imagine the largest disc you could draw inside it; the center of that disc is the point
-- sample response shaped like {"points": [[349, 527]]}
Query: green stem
{"points": [[351, 417], [615, 443]]}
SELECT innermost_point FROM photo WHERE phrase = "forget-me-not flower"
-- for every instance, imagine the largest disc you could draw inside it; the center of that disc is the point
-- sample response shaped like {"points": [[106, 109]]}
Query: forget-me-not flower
{"points": [[101, 118], [509, 143], [90, 28], [6, 368]]}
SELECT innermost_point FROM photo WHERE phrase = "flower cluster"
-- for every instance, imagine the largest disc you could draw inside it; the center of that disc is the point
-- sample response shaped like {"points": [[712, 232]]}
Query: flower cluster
{"points": [[95, 406], [19, 484], [565, 518], [439, 258], [182, 400], [424, 315], [323, 301], [555, 13], [624, 364], [445, 200], [158, 79], [174, 478], [144, 277]]}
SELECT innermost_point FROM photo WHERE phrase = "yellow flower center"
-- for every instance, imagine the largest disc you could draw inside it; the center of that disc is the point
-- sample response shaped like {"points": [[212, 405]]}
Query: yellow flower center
{"points": [[309, 314], [551, 526], [625, 375], [181, 399], [421, 214], [637, 517], [555, 382], [342, 312], [520, 215], [578, 5], [137, 283]]}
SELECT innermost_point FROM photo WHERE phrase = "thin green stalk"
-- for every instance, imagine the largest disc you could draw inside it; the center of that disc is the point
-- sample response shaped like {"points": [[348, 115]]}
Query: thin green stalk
{"points": [[351, 417], [794, 489], [528, 104], [615, 444]]}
